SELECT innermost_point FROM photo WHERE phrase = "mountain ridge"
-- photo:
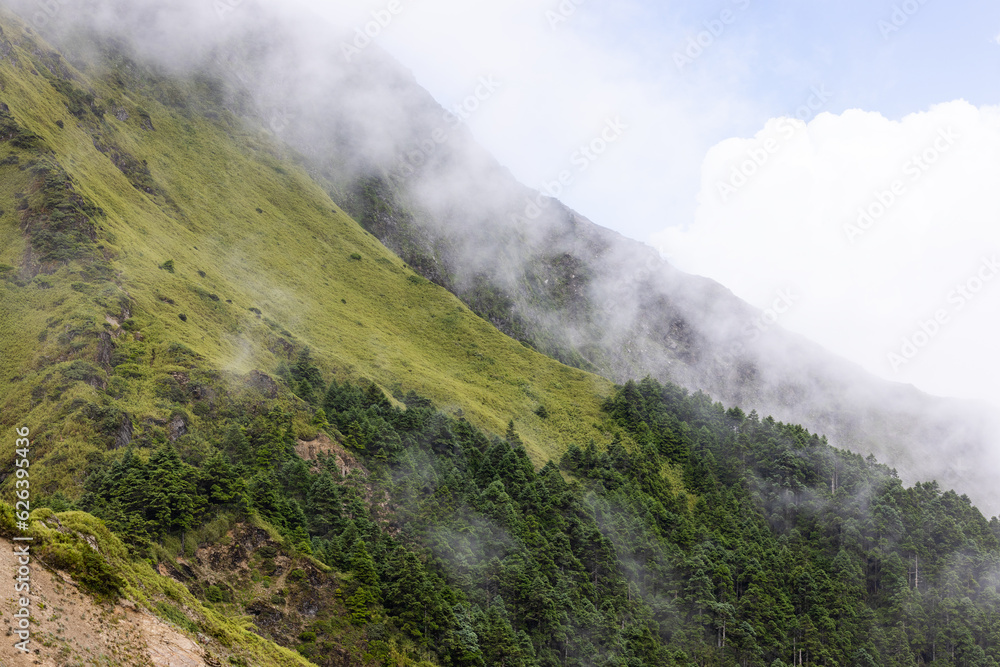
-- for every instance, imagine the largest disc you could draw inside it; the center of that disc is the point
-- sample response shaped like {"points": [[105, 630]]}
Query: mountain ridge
{"points": [[253, 421]]}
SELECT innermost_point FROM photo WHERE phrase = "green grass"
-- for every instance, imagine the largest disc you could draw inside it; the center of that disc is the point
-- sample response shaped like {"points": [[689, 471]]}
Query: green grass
{"points": [[293, 263], [237, 237], [70, 539]]}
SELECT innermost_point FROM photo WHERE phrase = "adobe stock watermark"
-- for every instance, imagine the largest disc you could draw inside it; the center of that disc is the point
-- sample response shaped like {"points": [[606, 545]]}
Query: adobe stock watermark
{"points": [[581, 159], [705, 39], [22, 548], [486, 88], [47, 11], [564, 12], [911, 172], [419, 153], [901, 15], [758, 156], [927, 330], [279, 120], [365, 35], [784, 301]]}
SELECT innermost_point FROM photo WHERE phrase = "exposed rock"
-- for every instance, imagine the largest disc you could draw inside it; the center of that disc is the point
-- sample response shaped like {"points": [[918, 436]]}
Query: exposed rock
{"points": [[262, 383], [7, 51], [169, 648], [345, 461], [281, 347], [203, 392], [105, 347], [176, 427], [123, 438], [264, 615]]}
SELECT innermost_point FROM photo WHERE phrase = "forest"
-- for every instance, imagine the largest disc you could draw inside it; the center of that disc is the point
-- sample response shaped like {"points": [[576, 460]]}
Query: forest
{"points": [[700, 536]]}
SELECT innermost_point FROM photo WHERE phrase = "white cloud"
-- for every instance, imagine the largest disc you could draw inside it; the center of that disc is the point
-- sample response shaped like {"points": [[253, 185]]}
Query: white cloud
{"points": [[794, 222], [560, 86]]}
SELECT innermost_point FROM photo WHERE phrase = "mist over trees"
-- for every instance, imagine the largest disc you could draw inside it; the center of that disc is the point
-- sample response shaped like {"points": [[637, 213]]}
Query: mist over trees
{"points": [[701, 535]]}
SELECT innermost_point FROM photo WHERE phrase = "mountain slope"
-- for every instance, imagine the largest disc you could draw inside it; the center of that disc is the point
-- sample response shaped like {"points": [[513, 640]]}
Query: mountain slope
{"points": [[416, 179], [261, 263], [253, 422]]}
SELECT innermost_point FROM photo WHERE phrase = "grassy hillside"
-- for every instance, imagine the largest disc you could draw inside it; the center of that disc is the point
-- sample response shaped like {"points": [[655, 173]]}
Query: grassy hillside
{"points": [[165, 268], [251, 420], [204, 234]]}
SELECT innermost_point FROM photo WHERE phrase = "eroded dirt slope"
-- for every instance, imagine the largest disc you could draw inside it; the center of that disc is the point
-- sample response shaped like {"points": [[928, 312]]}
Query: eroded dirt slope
{"points": [[69, 628]]}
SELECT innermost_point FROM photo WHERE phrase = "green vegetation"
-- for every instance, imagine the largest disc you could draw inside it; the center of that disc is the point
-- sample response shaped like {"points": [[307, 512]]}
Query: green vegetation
{"points": [[363, 319], [84, 547], [716, 538], [307, 433]]}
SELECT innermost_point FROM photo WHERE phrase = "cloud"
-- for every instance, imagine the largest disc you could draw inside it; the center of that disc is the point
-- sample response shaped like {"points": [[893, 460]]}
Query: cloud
{"points": [[887, 231], [565, 80]]}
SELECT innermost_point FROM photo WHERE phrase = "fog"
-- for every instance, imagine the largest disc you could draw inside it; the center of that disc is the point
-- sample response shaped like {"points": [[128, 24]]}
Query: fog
{"points": [[584, 293]]}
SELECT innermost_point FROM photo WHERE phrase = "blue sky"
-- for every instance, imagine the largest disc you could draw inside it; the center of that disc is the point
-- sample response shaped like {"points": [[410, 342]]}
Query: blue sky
{"points": [[762, 65], [691, 128], [945, 51], [773, 53]]}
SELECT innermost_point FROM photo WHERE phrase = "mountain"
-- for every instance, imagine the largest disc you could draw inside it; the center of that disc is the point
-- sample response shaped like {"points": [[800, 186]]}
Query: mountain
{"points": [[259, 436], [414, 177]]}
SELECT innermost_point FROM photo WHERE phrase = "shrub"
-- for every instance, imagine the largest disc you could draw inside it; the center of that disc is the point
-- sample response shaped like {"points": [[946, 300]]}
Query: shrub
{"points": [[7, 524], [168, 265], [81, 371], [214, 594], [356, 257], [171, 613]]}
